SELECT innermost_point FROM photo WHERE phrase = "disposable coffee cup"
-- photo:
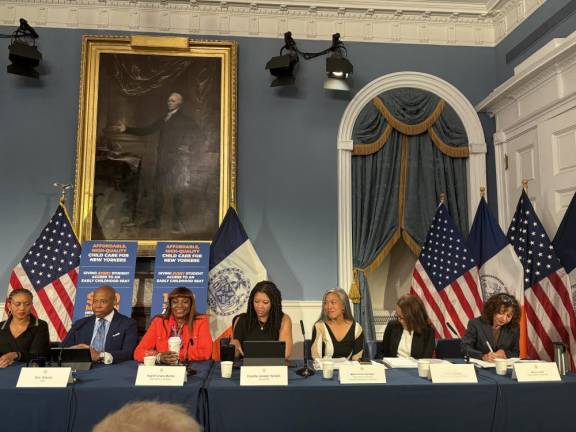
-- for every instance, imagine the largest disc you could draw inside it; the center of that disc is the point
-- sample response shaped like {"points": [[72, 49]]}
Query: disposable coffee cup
{"points": [[226, 369], [174, 344], [423, 368], [501, 366], [327, 369], [149, 360]]}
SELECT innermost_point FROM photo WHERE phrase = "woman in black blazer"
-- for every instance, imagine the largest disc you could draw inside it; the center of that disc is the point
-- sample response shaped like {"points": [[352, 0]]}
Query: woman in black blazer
{"points": [[496, 333], [22, 335], [410, 335]]}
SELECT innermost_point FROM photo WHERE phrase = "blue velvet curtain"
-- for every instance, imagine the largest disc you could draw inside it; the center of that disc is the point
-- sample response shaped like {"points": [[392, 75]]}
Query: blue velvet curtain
{"points": [[409, 148]]}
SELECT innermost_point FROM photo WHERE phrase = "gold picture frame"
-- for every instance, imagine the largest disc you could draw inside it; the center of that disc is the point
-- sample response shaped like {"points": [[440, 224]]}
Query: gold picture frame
{"points": [[156, 144]]}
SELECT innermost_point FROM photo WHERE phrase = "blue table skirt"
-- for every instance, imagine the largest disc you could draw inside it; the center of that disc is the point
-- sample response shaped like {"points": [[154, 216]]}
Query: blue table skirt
{"points": [[534, 407], [29, 409], [104, 389], [405, 403]]}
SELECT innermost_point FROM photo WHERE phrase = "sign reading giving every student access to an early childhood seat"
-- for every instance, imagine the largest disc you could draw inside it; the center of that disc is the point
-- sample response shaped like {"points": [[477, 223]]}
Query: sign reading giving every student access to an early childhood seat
{"points": [[105, 263], [180, 264]]}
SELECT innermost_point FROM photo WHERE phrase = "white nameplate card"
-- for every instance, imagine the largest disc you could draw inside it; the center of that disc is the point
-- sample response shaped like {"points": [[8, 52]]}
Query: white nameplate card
{"points": [[165, 376], [536, 372], [453, 373], [44, 377], [264, 375], [363, 374]]}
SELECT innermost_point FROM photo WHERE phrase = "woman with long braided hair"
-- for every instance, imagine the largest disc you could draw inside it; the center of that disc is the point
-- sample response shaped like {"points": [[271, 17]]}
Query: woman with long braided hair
{"points": [[264, 319]]}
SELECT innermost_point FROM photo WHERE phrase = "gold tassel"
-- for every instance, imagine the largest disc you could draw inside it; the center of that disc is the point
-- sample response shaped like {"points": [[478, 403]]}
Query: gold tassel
{"points": [[411, 243], [354, 293], [373, 147], [405, 128], [448, 150]]}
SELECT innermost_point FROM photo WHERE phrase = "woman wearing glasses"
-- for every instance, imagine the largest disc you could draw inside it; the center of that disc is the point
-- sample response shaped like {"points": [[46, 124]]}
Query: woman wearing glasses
{"points": [[495, 334], [179, 320], [336, 334], [410, 335]]}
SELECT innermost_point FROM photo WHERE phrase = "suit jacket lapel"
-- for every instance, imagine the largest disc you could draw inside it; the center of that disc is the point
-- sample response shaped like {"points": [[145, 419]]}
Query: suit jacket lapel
{"points": [[112, 329]]}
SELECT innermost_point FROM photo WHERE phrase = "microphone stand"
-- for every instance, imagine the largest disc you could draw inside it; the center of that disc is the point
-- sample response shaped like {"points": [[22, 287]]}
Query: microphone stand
{"points": [[305, 371]]}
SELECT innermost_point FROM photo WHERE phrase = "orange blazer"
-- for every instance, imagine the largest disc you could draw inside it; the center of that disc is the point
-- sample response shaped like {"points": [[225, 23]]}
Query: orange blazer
{"points": [[197, 346]]}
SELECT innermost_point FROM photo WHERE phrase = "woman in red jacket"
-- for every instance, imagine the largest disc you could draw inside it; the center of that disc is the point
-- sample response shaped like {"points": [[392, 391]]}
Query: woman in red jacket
{"points": [[179, 319]]}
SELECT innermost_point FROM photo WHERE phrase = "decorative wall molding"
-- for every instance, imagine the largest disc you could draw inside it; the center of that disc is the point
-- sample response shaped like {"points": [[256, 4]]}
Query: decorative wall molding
{"points": [[476, 162], [414, 22], [308, 312], [542, 88]]}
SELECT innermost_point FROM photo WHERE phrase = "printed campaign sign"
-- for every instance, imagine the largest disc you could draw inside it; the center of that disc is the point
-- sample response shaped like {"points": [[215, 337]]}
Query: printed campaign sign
{"points": [[182, 264], [105, 263]]}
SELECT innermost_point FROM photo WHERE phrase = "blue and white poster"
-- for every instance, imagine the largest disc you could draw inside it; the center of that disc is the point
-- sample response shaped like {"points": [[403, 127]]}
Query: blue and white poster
{"points": [[105, 263], [182, 264]]}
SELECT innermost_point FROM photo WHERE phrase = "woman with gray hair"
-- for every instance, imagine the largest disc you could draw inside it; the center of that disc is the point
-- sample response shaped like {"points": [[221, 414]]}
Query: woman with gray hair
{"points": [[336, 334]]}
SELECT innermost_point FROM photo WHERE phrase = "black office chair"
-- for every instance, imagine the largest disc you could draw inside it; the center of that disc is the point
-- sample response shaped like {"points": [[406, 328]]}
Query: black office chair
{"points": [[449, 348]]}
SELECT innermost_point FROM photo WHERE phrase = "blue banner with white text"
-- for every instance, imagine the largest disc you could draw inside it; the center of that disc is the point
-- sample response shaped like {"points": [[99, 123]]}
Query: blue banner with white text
{"points": [[180, 264], [105, 263]]}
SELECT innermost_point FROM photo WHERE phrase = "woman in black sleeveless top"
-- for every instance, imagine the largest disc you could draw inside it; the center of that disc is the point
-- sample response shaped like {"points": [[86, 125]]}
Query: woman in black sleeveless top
{"points": [[263, 320]]}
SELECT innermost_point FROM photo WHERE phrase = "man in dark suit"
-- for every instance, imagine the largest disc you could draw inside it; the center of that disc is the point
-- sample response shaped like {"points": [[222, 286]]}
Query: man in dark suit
{"points": [[110, 335]]}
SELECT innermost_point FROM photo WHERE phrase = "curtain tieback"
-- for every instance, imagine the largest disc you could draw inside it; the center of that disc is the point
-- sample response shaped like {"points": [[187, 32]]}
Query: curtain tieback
{"points": [[354, 293]]}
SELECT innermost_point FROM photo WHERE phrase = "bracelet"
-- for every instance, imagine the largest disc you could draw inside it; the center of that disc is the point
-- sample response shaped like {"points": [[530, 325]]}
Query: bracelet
{"points": [[158, 359], [18, 356]]}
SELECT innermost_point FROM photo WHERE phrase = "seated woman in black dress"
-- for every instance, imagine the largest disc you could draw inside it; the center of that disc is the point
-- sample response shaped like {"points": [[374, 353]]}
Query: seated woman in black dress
{"points": [[495, 334], [263, 320], [336, 334], [22, 336], [410, 335]]}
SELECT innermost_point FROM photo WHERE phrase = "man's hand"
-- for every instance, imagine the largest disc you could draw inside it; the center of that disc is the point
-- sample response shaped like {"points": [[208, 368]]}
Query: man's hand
{"points": [[95, 355], [80, 346]]}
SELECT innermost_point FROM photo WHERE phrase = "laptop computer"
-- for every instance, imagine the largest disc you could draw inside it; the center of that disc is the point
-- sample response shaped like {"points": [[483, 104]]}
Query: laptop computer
{"points": [[264, 353], [75, 358]]}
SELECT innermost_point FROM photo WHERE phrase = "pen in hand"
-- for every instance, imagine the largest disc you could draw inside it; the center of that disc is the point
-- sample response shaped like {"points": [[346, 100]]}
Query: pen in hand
{"points": [[489, 346]]}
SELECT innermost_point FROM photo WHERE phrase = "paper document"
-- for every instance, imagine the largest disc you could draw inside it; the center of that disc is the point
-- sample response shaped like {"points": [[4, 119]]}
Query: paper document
{"points": [[482, 364], [336, 361], [400, 362]]}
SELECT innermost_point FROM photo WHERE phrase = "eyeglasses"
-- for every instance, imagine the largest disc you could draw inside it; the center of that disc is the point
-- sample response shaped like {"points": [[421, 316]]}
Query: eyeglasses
{"points": [[399, 317], [506, 298]]}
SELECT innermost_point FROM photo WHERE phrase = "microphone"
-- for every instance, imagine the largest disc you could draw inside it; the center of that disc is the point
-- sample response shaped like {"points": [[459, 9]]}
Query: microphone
{"points": [[452, 329], [304, 371]]}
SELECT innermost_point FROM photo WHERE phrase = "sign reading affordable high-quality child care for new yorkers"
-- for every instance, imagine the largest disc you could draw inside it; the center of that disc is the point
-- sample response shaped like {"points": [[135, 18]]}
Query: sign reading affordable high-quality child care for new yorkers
{"points": [[182, 264], [105, 263]]}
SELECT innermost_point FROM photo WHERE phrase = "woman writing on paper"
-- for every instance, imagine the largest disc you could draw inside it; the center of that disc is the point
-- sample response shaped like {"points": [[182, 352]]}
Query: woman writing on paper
{"points": [[336, 334], [263, 320], [180, 320], [410, 335], [495, 334], [22, 335]]}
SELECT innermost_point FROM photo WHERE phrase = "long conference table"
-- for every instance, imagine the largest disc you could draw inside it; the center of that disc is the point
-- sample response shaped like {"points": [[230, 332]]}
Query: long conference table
{"points": [[406, 402]]}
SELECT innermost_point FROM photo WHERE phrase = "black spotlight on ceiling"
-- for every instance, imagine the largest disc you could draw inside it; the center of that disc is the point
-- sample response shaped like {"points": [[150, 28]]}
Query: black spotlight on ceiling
{"points": [[282, 66], [338, 67], [23, 53]]}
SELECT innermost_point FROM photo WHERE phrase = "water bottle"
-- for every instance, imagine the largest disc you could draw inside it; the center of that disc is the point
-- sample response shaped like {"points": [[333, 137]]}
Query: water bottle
{"points": [[560, 357]]}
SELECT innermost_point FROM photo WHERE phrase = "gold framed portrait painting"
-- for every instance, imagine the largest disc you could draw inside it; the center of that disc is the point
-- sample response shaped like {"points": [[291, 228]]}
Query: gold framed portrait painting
{"points": [[156, 151]]}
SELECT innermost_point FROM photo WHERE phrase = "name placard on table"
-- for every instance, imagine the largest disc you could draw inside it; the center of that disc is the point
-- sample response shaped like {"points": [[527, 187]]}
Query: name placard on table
{"points": [[453, 373], [363, 374], [264, 375], [536, 372], [44, 377], [165, 376]]}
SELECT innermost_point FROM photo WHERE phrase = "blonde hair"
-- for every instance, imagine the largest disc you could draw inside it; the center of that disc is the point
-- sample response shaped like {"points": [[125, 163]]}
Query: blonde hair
{"points": [[149, 416]]}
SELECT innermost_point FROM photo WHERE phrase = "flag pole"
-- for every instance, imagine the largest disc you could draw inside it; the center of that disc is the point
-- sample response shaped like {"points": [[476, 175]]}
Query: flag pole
{"points": [[63, 189], [442, 197], [482, 192], [523, 342]]}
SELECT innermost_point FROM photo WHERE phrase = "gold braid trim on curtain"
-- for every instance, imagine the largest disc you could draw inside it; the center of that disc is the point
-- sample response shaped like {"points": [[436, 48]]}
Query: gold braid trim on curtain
{"points": [[448, 150], [405, 128], [354, 293], [411, 243], [373, 147]]}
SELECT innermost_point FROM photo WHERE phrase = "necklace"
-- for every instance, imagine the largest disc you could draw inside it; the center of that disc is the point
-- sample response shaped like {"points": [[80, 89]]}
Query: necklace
{"points": [[261, 324]]}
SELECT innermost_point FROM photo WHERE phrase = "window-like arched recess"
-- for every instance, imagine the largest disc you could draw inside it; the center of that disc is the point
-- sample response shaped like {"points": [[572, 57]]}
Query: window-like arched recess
{"points": [[476, 168]]}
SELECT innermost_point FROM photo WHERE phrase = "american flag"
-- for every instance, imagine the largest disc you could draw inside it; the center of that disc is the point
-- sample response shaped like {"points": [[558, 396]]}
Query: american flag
{"points": [[547, 299], [50, 271], [446, 278]]}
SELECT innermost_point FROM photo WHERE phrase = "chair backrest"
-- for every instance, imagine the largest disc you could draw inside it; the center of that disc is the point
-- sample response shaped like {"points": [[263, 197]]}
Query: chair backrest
{"points": [[449, 348], [373, 349]]}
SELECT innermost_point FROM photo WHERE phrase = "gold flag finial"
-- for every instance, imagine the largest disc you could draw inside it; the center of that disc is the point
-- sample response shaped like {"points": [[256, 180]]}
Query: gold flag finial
{"points": [[482, 191], [525, 185], [442, 198]]}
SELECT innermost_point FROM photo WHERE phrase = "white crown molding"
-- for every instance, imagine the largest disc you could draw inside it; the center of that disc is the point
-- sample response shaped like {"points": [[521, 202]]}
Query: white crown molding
{"points": [[476, 166], [414, 22]]}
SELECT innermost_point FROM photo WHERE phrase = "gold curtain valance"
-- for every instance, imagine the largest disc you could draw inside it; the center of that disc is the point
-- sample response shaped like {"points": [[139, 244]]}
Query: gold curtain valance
{"points": [[411, 130]]}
